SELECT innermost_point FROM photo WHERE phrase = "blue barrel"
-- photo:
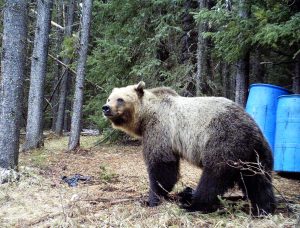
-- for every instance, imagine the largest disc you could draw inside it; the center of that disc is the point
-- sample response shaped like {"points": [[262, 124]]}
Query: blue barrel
{"points": [[287, 137], [262, 105]]}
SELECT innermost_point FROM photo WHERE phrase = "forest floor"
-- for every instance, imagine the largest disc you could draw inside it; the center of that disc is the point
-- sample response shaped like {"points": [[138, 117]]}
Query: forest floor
{"points": [[113, 195]]}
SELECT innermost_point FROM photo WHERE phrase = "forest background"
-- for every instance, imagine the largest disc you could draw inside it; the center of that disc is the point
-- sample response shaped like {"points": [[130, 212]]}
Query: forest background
{"points": [[199, 48]]}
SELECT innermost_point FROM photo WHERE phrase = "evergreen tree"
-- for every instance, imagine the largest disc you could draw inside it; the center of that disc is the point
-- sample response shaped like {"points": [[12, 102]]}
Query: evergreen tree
{"points": [[79, 85], [34, 127], [12, 69]]}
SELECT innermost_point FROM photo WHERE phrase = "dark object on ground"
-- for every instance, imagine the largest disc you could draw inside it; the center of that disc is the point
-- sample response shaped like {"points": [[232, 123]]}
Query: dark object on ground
{"points": [[73, 180]]}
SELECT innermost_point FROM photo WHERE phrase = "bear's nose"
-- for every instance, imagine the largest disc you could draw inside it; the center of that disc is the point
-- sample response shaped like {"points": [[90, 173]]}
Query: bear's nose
{"points": [[105, 109]]}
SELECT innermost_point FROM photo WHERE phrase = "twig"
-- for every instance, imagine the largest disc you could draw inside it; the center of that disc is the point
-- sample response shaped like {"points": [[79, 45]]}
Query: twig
{"points": [[257, 169], [112, 202], [278, 63], [246, 192], [43, 218], [55, 88], [61, 63], [48, 102]]}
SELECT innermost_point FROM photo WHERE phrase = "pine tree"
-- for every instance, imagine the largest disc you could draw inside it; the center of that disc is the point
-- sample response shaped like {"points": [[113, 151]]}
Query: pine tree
{"points": [[13, 70], [74, 139], [34, 127]]}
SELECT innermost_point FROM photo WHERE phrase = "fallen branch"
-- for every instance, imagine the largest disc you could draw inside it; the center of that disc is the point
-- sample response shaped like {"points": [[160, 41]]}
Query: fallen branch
{"points": [[66, 67], [74, 72], [112, 202], [62, 63], [52, 22], [278, 63], [55, 88]]}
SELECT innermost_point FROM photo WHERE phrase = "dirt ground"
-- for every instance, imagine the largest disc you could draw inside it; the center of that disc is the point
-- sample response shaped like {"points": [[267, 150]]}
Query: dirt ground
{"points": [[113, 195]]}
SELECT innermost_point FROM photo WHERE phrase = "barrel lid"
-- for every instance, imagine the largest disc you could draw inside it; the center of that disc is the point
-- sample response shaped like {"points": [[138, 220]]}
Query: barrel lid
{"points": [[269, 85], [291, 95]]}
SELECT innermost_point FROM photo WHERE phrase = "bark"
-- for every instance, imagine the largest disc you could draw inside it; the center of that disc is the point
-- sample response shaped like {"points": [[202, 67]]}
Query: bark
{"points": [[189, 46], [78, 96], [11, 91], [34, 128], [63, 93], [242, 76], [296, 78], [225, 72], [68, 107], [189, 38], [242, 81], [57, 67], [258, 70], [202, 52]]}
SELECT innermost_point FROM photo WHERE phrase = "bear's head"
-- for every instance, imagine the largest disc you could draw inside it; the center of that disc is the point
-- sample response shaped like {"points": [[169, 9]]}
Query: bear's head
{"points": [[122, 108]]}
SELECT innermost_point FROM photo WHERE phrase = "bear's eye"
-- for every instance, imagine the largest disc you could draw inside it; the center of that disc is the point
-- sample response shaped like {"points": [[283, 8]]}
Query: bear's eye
{"points": [[108, 100], [120, 101]]}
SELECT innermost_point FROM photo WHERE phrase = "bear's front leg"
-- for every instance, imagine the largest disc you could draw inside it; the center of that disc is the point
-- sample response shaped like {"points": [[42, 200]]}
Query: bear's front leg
{"points": [[162, 177]]}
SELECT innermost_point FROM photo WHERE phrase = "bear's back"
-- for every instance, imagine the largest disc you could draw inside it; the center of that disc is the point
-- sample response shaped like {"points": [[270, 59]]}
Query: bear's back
{"points": [[189, 122]]}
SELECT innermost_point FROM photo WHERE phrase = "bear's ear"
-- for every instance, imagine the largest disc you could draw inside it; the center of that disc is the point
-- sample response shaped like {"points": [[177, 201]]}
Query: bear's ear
{"points": [[139, 88]]}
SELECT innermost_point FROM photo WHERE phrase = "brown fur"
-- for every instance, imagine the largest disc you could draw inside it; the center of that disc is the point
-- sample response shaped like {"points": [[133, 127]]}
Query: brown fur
{"points": [[209, 132]]}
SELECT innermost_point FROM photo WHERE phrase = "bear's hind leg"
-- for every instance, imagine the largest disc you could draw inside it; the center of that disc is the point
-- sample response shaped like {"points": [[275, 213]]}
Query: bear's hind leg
{"points": [[259, 190], [162, 177], [205, 197], [185, 197]]}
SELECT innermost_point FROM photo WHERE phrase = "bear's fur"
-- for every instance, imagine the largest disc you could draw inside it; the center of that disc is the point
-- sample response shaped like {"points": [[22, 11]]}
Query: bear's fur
{"points": [[212, 133]]}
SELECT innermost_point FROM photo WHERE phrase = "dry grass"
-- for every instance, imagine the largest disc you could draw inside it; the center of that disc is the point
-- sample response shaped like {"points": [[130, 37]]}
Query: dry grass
{"points": [[112, 198]]}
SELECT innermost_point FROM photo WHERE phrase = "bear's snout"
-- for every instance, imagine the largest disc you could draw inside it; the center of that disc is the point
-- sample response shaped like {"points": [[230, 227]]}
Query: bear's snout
{"points": [[106, 110]]}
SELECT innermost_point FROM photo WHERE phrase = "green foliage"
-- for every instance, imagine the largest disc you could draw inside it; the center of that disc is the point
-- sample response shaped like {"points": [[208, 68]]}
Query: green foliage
{"points": [[231, 34], [38, 158], [68, 47], [135, 40], [106, 175], [128, 39], [279, 34], [232, 207], [271, 24]]}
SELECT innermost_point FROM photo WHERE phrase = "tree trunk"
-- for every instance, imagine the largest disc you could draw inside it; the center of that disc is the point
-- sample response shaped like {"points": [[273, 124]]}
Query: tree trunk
{"points": [[242, 76], [68, 107], [189, 46], [63, 93], [57, 66], [78, 96], [225, 73], [242, 81], [11, 91], [296, 78], [258, 70], [189, 38], [34, 128], [202, 52]]}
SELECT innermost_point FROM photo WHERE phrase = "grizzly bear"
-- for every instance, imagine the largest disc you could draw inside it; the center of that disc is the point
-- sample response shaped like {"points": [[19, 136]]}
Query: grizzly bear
{"points": [[212, 133]]}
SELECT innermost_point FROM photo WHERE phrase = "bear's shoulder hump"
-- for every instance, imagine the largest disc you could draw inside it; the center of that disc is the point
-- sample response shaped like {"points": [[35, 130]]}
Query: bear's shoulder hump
{"points": [[163, 91]]}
